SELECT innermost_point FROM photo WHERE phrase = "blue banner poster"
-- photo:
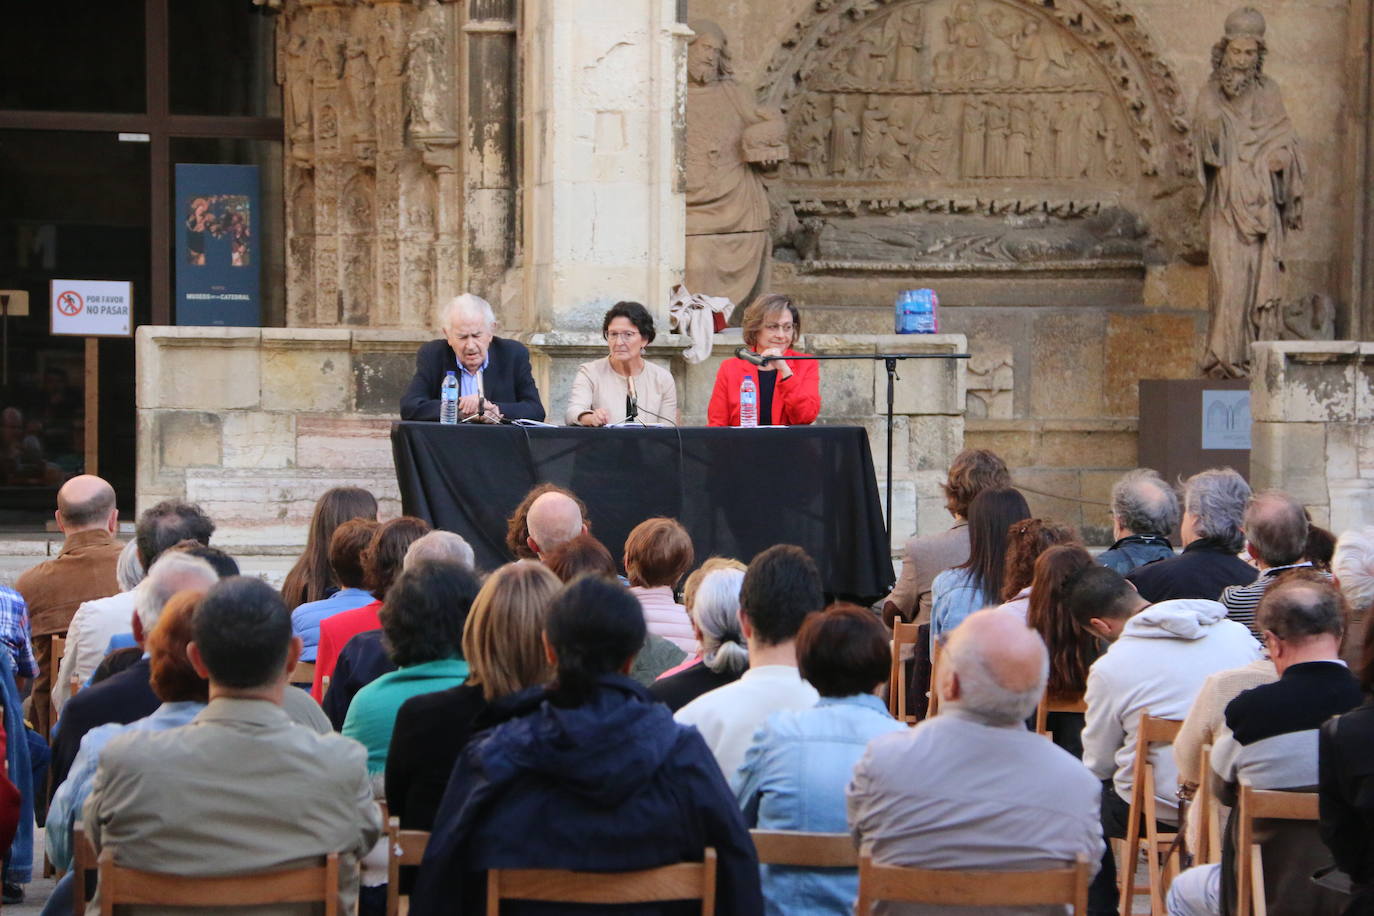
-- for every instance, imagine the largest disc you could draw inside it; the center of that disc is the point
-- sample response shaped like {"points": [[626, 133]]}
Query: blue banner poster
{"points": [[218, 257]]}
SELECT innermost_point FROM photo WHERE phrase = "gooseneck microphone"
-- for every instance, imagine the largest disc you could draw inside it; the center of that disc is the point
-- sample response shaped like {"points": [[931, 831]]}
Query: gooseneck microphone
{"points": [[749, 356]]}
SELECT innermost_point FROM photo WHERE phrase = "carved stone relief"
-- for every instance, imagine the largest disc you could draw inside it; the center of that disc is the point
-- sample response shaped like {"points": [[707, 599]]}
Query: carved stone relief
{"points": [[990, 381], [369, 88]]}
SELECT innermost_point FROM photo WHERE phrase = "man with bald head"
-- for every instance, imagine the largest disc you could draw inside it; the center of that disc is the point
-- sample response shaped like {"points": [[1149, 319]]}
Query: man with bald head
{"points": [[972, 788], [554, 519], [1276, 529], [84, 569]]}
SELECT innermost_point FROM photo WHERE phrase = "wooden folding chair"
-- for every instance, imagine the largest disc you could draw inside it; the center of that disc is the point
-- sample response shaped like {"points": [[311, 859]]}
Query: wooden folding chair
{"points": [[933, 706], [684, 881], [1206, 814], [59, 651], [303, 673], [946, 887], [805, 850], [1152, 730], [314, 884], [84, 861], [903, 636], [1259, 804], [405, 847], [1056, 703]]}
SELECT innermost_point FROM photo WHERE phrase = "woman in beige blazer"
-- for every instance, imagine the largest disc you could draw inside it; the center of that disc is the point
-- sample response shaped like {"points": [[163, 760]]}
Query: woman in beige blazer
{"points": [[603, 388]]}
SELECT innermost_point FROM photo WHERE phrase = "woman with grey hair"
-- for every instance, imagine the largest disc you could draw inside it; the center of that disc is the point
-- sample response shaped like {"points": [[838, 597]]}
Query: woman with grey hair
{"points": [[95, 624], [724, 656]]}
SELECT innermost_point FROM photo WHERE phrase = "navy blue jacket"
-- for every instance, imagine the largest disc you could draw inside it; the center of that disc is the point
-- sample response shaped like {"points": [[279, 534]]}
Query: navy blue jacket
{"points": [[507, 381], [1205, 567], [612, 785]]}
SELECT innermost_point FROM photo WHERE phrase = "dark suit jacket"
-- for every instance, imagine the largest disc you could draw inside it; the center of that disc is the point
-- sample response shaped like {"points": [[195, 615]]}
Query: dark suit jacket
{"points": [[508, 381], [1203, 569], [1345, 754], [123, 698]]}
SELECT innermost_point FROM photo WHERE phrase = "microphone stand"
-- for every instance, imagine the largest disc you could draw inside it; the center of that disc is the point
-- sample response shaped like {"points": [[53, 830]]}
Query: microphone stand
{"points": [[890, 361]]}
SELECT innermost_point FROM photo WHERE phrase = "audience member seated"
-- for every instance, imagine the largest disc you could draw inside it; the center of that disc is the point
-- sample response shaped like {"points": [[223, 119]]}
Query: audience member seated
{"points": [[1352, 570], [1072, 650], [1158, 657], [795, 773], [183, 693], [441, 545], [923, 558], [590, 774], [313, 577], [95, 623], [1321, 547], [554, 519], [242, 788], [82, 571], [1214, 504], [128, 695], [658, 553], [780, 588], [1144, 512], [346, 548], [1269, 742], [517, 526], [14, 632], [714, 604], [1276, 532], [1025, 542], [382, 559], [972, 788], [422, 621], [1345, 756], [584, 555], [503, 643], [689, 590], [977, 583]]}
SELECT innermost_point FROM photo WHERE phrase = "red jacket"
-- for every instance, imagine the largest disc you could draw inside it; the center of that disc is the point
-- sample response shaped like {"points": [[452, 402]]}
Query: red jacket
{"points": [[796, 400]]}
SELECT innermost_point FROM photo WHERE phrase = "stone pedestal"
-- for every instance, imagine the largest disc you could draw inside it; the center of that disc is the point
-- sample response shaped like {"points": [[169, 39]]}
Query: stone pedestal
{"points": [[1312, 403], [604, 214]]}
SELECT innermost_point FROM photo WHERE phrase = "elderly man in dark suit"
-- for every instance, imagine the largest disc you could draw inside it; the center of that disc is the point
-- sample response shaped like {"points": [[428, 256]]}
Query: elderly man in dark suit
{"points": [[493, 372]]}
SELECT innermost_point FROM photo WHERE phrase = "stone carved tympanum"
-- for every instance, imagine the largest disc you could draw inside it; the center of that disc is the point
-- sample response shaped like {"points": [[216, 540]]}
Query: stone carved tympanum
{"points": [[1252, 169], [731, 142]]}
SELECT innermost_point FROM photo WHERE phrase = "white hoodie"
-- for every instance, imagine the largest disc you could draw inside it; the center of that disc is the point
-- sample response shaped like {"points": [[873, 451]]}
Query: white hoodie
{"points": [[1157, 666]]}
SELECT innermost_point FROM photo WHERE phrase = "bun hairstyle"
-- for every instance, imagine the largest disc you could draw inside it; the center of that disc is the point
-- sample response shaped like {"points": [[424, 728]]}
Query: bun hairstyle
{"points": [[594, 626]]}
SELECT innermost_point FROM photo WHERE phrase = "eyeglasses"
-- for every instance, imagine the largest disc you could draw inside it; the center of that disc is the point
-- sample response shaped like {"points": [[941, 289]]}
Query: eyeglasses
{"points": [[785, 328], [622, 335]]}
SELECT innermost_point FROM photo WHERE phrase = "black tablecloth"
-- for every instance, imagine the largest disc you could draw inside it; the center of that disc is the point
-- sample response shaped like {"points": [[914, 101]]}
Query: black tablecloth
{"points": [[737, 491]]}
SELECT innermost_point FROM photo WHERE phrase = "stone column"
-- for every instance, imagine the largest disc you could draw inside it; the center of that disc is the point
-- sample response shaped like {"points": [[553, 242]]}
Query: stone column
{"points": [[604, 207]]}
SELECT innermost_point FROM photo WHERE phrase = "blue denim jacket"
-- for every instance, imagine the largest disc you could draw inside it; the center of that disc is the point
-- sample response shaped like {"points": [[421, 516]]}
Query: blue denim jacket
{"points": [[794, 777], [954, 594], [19, 867]]}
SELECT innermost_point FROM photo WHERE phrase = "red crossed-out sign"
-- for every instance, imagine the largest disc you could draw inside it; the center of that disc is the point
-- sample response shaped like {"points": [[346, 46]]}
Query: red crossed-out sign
{"points": [[70, 303]]}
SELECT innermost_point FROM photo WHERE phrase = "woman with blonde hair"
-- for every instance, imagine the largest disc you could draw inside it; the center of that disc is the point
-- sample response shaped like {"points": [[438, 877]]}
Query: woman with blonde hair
{"points": [[504, 649], [788, 392]]}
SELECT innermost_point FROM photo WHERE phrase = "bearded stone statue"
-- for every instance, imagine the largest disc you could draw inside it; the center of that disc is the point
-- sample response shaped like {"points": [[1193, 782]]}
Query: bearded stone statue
{"points": [[1251, 169], [730, 143]]}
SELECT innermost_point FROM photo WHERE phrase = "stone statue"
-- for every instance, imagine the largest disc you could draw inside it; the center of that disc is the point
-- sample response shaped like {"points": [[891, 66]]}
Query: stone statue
{"points": [[1251, 169], [727, 205]]}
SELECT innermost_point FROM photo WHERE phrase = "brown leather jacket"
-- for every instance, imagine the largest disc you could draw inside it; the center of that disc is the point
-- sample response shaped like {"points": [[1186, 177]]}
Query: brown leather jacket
{"points": [[83, 570]]}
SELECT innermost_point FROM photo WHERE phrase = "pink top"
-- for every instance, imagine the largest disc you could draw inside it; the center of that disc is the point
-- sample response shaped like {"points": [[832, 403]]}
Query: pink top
{"points": [[1019, 605], [666, 617], [690, 661]]}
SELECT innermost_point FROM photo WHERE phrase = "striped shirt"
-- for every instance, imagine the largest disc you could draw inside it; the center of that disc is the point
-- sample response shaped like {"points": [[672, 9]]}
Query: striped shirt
{"points": [[1243, 600]]}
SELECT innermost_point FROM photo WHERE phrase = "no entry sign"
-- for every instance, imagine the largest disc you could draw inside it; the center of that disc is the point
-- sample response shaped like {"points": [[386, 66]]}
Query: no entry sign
{"points": [[92, 308]]}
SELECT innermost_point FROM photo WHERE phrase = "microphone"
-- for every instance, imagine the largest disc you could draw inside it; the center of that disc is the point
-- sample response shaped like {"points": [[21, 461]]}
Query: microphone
{"points": [[749, 356], [634, 399]]}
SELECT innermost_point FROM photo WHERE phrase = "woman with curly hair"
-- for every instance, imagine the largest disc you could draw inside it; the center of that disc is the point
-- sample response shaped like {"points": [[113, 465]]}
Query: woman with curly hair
{"points": [[1026, 541]]}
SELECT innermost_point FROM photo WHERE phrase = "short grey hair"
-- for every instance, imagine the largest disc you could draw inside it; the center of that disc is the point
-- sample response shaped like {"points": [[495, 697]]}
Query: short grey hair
{"points": [[470, 305], [1353, 566], [439, 545], [982, 692], [129, 568], [1217, 499], [1276, 526], [174, 571], [1144, 504], [716, 610], [1299, 609]]}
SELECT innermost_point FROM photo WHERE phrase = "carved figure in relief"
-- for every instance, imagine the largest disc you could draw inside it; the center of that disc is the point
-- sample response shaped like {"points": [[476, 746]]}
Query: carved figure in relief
{"points": [[932, 136], [1251, 168], [844, 136], [1018, 139], [972, 151], [812, 139], [867, 59], [728, 244], [327, 65], [293, 70], [361, 80], [1064, 125], [1092, 139], [966, 58], [425, 83], [874, 134], [995, 157], [1041, 140], [904, 33]]}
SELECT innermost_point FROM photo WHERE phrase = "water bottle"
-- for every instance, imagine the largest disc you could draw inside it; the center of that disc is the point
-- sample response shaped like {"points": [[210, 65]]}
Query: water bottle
{"points": [[925, 312], [904, 312], [448, 399], [748, 402]]}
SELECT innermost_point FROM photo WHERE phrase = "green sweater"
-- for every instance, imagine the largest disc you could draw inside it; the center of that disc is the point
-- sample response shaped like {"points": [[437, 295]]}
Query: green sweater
{"points": [[372, 714]]}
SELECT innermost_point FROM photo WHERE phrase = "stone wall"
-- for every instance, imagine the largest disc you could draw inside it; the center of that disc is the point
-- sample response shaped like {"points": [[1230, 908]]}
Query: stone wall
{"points": [[1312, 405], [255, 424]]}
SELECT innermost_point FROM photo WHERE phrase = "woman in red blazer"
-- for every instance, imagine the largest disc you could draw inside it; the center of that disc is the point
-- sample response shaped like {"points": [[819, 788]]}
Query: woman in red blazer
{"points": [[789, 391]]}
